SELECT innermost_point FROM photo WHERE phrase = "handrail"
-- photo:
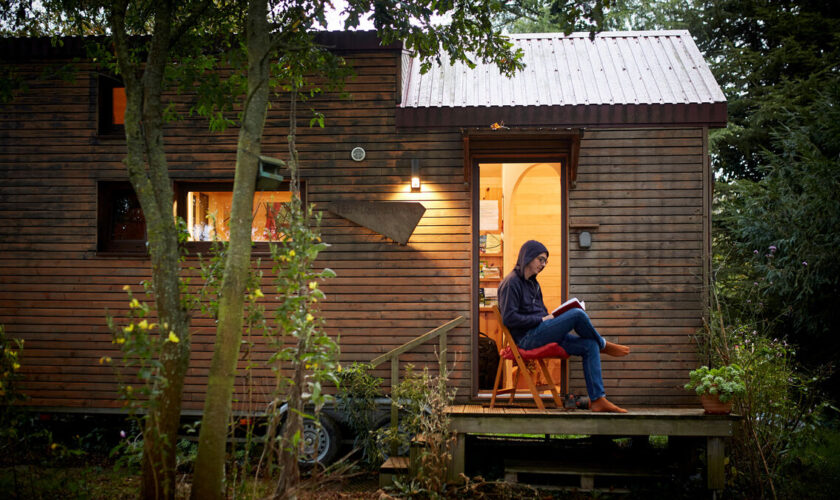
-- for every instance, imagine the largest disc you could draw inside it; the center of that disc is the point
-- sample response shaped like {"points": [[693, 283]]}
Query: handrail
{"points": [[394, 355], [441, 330]]}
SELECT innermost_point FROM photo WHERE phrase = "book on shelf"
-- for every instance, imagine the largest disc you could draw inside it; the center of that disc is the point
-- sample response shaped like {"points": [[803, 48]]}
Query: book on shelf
{"points": [[492, 273], [569, 305], [488, 296]]}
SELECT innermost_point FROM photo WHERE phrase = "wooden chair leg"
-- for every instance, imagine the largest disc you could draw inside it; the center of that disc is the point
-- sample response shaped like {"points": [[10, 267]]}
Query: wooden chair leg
{"points": [[531, 386], [550, 381], [497, 382], [515, 382]]}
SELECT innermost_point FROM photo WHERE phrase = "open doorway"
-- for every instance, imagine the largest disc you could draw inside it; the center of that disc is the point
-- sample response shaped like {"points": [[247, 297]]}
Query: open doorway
{"points": [[517, 202]]}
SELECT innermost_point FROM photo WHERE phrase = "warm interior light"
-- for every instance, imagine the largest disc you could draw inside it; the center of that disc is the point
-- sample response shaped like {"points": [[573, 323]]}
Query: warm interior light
{"points": [[415, 175]]}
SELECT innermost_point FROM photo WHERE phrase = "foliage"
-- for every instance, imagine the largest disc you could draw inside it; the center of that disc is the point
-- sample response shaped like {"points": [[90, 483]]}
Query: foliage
{"points": [[11, 352], [140, 342], [726, 382], [814, 462], [356, 398], [777, 238], [423, 400], [311, 360], [12, 418], [33, 481], [298, 285], [547, 16], [780, 406]]}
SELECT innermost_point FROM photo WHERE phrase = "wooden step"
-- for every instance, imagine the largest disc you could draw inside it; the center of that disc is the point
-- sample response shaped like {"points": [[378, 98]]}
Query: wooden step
{"points": [[393, 467]]}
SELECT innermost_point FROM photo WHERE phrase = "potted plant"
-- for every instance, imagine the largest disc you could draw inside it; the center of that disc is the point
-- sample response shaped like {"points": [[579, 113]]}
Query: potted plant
{"points": [[717, 386]]}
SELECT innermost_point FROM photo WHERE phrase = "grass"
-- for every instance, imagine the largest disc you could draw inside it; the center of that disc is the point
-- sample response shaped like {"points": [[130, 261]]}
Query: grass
{"points": [[68, 482]]}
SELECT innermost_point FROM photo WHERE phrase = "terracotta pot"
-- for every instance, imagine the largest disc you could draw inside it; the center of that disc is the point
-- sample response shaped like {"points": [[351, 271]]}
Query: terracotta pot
{"points": [[713, 406]]}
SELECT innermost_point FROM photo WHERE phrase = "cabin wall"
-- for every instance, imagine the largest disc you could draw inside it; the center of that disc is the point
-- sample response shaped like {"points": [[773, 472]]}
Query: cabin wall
{"points": [[641, 195], [55, 290], [640, 279]]}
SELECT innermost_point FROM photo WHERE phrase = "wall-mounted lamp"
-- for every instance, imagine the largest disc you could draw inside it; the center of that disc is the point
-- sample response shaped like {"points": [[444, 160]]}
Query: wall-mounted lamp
{"points": [[415, 174]]}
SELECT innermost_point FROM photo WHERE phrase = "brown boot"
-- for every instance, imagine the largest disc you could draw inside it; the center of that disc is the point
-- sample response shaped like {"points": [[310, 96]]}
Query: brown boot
{"points": [[604, 405], [616, 350]]}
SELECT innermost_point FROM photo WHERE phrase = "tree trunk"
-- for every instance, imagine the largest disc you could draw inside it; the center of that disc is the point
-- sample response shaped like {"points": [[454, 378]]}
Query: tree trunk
{"points": [[287, 483], [208, 480], [289, 480], [148, 173]]}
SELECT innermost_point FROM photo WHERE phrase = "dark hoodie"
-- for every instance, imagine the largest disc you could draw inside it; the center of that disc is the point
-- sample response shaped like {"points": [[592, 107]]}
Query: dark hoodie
{"points": [[521, 300]]}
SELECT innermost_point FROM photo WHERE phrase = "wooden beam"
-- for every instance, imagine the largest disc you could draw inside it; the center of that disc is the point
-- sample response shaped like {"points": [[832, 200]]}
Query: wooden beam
{"points": [[630, 424], [458, 465], [715, 473]]}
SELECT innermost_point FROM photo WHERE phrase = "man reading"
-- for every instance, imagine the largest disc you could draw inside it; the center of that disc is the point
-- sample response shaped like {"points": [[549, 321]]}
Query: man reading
{"points": [[531, 325]]}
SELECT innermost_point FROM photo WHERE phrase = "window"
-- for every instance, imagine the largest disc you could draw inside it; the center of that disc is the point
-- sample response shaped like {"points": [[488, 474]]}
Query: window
{"points": [[206, 207], [121, 225], [111, 106]]}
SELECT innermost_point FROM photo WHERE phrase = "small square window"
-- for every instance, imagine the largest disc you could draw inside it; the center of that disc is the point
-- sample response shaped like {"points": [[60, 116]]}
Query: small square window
{"points": [[111, 106], [206, 207], [121, 226]]}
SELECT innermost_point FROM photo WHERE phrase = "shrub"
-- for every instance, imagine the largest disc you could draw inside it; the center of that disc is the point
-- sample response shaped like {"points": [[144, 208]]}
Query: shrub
{"points": [[780, 405], [424, 399], [11, 351], [357, 393]]}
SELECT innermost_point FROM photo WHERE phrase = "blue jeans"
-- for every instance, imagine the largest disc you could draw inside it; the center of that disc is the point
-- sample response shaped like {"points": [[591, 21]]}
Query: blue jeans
{"points": [[586, 343]]}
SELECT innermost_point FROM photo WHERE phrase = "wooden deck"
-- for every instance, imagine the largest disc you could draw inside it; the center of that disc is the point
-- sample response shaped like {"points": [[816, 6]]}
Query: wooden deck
{"points": [[478, 419]]}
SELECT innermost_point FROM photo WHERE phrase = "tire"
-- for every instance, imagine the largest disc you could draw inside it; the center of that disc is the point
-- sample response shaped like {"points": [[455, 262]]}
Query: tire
{"points": [[405, 440], [320, 442]]}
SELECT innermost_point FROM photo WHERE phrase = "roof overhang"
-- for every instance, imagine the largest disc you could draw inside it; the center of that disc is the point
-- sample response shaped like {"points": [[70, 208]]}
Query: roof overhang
{"points": [[586, 116]]}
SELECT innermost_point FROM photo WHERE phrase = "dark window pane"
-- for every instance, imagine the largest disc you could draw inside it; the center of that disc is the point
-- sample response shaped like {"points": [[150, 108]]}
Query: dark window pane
{"points": [[121, 226], [128, 222]]}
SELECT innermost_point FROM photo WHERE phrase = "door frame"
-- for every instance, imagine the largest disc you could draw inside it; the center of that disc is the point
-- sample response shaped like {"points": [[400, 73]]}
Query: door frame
{"points": [[514, 148]]}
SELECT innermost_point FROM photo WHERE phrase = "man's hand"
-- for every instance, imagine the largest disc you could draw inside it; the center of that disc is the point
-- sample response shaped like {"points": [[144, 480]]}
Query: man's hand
{"points": [[546, 318]]}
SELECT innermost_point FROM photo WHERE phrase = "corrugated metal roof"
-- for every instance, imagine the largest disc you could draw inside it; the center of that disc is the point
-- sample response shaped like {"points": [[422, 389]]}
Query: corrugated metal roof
{"points": [[650, 70]]}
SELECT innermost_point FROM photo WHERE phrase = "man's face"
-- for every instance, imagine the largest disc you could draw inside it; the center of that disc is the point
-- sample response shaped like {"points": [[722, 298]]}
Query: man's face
{"points": [[536, 265]]}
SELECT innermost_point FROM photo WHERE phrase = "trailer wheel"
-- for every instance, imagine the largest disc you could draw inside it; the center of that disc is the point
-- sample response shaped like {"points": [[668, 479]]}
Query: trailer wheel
{"points": [[404, 440], [319, 442]]}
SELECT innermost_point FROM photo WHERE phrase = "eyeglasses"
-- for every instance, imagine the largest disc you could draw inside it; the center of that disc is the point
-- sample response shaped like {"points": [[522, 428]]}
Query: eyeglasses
{"points": [[543, 260]]}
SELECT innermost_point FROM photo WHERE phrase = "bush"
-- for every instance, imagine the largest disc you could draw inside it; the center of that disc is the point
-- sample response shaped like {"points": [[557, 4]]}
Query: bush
{"points": [[780, 405], [424, 399], [357, 393]]}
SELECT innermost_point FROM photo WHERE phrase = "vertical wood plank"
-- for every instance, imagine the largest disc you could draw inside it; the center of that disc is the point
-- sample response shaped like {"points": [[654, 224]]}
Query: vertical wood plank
{"points": [[395, 415], [458, 457], [442, 356], [715, 448]]}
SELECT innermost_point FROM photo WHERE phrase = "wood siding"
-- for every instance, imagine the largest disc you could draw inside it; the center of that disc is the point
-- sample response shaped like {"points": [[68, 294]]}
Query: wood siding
{"points": [[642, 193], [640, 279]]}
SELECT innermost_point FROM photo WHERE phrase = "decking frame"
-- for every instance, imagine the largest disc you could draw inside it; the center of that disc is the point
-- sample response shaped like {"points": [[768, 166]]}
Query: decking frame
{"points": [[473, 419]]}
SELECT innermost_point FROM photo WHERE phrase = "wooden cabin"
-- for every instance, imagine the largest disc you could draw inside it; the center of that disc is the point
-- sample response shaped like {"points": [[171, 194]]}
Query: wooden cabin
{"points": [[599, 148]]}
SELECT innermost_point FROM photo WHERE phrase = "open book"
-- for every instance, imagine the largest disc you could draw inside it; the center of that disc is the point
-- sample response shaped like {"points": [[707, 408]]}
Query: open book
{"points": [[569, 304]]}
